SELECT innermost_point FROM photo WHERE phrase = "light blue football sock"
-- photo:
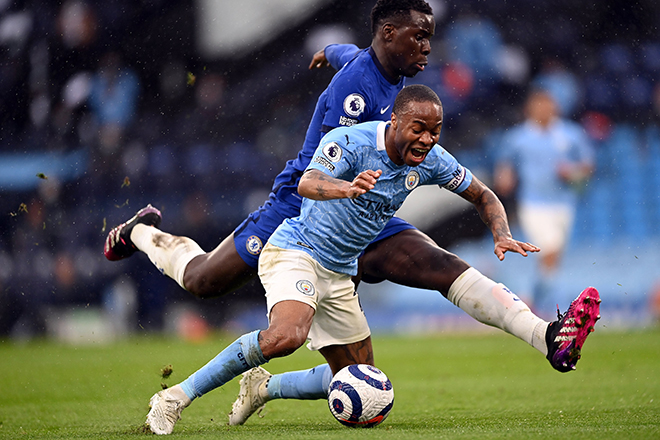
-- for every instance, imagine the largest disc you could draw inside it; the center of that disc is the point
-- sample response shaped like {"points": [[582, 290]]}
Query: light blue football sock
{"points": [[306, 384], [241, 355]]}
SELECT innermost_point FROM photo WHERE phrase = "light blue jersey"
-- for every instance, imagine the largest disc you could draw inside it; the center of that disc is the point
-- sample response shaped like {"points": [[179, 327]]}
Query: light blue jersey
{"points": [[360, 91], [335, 232], [537, 153]]}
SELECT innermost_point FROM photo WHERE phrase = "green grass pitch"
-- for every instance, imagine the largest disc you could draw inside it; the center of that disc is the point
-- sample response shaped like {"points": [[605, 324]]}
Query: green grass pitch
{"points": [[448, 386]]}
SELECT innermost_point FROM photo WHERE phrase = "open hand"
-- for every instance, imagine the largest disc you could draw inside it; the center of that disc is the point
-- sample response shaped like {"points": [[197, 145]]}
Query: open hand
{"points": [[509, 244]]}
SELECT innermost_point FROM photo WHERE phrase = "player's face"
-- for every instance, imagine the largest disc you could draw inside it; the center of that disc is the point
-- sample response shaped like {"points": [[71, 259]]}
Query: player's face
{"points": [[416, 131], [411, 44], [541, 108]]}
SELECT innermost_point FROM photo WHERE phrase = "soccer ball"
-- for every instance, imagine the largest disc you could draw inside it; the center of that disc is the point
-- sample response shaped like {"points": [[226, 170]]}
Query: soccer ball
{"points": [[360, 395]]}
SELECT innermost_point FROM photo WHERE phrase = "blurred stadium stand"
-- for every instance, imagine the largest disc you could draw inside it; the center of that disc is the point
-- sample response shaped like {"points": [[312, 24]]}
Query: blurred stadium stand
{"points": [[209, 132]]}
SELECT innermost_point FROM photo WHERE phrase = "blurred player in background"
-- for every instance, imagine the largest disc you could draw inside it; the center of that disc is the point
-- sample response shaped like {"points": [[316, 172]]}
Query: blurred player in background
{"points": [[357, 179], [546, 161]]}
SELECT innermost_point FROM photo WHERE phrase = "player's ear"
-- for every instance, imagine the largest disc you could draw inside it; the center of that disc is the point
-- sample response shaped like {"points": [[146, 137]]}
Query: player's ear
{"points": [[394, 121], [388, 30]]}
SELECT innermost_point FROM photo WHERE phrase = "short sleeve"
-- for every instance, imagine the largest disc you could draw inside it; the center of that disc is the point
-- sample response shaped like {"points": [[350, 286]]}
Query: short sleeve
{"points": [[348, 100], [332, 157], [340, 54]]}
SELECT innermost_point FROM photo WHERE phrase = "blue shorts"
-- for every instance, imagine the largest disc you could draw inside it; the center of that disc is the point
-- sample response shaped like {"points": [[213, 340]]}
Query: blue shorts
{"points": [[253, 233]]}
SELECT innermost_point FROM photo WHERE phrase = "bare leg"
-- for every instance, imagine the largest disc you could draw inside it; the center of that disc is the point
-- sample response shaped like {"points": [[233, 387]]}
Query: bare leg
{"points": [[339, 356], [412, 259], [205, 275], [258, 386], [290, 322], [218, 272]]}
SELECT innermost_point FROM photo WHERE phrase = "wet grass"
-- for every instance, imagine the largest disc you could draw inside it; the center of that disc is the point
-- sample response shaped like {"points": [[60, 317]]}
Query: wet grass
{"points": [[453, 386]]}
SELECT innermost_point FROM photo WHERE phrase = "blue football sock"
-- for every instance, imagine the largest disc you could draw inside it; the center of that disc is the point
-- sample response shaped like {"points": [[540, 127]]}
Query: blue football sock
{"points": [[306, 384], [241, 355]]}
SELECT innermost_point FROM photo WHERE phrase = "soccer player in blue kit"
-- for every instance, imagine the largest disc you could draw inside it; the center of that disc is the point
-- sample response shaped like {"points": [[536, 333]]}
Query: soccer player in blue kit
{"points": [[357, 179], [363, 89]]}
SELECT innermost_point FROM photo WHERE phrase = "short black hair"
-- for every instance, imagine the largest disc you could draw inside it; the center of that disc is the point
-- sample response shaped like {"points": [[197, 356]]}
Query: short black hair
{"points": [[414, 93], [396, 9]]}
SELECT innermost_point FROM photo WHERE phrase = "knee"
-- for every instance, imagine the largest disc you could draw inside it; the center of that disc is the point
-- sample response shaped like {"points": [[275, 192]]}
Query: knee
{"points": [[205, 282], [446, 261], [214, 274], [199, 286], [281, 343]]}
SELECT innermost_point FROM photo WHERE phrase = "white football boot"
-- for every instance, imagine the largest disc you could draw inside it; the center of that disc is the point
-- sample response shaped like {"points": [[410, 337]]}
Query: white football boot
{"points": [[252, 396], [166, 407]]}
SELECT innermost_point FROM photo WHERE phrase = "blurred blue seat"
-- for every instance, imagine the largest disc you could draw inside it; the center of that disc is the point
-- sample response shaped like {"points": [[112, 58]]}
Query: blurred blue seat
{"points": [[594, 220], [600, 93], [636, 91], [200, 159], [653, 174], [617, 58], [162, 160], [649, 56]]}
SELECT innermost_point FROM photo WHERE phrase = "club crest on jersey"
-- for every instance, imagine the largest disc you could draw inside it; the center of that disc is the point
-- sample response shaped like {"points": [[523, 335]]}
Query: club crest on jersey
{"points": [[354, 105], [412, 180], [332, 151], [254, 245], [305, 287]]}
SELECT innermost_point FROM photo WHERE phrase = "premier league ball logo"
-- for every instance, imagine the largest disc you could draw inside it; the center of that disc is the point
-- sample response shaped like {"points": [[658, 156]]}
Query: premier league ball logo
{"points": [[354, 105], [332, 151]]}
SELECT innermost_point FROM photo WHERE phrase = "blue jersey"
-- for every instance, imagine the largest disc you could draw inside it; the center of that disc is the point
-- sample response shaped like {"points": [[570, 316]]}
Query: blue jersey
{"points": [[360, 91], [335, 232], [536, 153]]}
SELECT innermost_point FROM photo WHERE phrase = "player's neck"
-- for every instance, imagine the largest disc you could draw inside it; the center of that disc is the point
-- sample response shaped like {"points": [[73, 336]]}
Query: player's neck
{"points": [[379, 55], [390, 147]]}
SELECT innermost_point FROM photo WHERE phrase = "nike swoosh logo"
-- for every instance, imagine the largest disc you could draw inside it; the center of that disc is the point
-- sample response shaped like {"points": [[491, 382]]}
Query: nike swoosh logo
{"points": [[383, 110]]}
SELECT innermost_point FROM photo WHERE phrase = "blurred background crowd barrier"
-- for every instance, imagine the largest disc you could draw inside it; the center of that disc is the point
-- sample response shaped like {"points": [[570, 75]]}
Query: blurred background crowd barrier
{"points": [[194, 106]]}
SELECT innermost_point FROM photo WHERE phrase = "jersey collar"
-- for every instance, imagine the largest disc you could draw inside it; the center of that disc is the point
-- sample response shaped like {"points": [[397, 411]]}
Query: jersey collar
{"points": [[381, 69], [380, 135]]}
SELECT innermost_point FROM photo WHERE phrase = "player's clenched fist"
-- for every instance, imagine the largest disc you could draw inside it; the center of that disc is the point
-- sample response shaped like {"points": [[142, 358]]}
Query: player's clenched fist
{"points": [[319, 60], [364, 182]]}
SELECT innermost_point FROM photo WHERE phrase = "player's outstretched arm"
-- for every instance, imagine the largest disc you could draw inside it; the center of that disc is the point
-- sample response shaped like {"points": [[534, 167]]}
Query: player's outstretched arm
{"points": [[317, 185], [333, 55], [492, 213]]}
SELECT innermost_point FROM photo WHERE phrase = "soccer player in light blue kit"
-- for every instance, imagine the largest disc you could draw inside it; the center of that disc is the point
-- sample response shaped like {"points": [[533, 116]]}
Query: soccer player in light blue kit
{"points": [[547, 160], [357, 179]]}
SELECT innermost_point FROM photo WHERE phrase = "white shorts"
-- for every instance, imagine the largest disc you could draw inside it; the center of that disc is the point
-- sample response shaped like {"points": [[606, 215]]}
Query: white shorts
{"points": [[546, 226], [295, 275]]}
